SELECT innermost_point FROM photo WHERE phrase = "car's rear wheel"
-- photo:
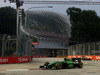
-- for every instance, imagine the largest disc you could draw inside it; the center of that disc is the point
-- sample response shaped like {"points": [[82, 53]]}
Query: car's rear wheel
{"points": [[53, 68], [80, 65], [58, 66]]}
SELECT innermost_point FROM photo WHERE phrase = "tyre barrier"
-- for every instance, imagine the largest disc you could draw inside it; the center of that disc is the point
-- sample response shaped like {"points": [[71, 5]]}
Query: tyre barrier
{"points": [[12, 60]]}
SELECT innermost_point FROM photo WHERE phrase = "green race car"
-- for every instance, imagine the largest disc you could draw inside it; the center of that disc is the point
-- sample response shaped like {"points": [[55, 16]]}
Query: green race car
{"points": [[67, 63]]}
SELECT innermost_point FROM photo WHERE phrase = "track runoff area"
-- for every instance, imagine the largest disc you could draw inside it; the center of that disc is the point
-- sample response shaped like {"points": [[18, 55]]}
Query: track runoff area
{"points": [[32, 68]]}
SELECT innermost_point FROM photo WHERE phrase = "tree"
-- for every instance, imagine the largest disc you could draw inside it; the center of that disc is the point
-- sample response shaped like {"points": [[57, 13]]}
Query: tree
{"points": [[74, 14], [85, 25], [8, 20], [77, 31]]}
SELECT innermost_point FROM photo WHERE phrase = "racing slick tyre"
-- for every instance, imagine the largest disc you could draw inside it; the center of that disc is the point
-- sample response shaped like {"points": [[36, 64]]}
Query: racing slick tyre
{"points": [[46, 64], [79, 59], [80, 65], [58, 66], [53, 68]]}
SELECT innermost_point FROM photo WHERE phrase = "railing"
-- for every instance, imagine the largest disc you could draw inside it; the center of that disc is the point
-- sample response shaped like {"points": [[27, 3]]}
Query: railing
{"points": [[92, 48]]}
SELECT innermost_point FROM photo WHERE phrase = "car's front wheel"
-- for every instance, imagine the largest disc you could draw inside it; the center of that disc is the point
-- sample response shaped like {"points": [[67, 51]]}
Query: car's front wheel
{"points": [[80, 65], [46, 65]]}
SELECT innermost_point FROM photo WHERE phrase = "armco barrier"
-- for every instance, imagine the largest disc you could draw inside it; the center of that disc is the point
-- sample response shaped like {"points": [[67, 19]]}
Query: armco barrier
{"points": [[39, 56], [10, 60]]}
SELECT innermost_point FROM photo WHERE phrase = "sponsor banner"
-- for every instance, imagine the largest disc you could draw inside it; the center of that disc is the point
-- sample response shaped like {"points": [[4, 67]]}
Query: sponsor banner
{"points": [[3, 60], [9, 60], [23, 59], [92, 57], [37, 56]]}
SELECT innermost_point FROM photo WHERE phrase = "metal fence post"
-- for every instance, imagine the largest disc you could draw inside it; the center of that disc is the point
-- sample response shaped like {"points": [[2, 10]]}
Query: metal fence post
{"points": [[3, 44], [99, 48], [88, 49], [94, 49], [83, 49]]}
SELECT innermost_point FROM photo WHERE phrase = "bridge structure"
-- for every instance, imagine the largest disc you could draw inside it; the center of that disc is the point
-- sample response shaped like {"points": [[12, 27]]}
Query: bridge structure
{"points": [[71, 2]]}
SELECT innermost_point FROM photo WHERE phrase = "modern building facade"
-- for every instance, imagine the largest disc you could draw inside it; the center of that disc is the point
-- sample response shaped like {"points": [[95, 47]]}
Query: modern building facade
{"points": [[51, 44], [52, 31]]}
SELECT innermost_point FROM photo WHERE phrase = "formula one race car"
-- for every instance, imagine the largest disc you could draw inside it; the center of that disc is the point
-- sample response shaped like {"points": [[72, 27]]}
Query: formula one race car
{"points": [[67, 63], [85, 58]]}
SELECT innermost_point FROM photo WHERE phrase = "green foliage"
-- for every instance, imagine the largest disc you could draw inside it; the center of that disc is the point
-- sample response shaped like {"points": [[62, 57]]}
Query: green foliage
{"points": [[85, 25], [7, 20], [74, 14]]}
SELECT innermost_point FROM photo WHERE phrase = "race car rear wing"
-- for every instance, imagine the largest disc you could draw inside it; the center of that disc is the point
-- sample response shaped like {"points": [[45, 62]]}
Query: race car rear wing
{"points": [[76, 59]]}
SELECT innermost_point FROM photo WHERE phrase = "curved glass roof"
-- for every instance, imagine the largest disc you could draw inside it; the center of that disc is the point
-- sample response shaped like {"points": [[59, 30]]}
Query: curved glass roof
{"points": [[48, 21]]}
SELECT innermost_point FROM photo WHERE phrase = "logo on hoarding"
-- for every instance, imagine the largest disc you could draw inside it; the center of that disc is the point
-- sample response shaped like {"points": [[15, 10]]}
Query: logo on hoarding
{"points": [[79, 57], [22, 59], [74, 56], [97, 57], [3, 60], [35, 43]]}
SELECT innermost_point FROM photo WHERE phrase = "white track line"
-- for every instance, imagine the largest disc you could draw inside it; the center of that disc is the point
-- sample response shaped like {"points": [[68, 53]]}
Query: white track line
{"points": [[18, 70]]}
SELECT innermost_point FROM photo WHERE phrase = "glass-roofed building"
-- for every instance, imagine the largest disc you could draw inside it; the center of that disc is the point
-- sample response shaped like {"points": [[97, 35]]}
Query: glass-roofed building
{"points": [[52, 31]]}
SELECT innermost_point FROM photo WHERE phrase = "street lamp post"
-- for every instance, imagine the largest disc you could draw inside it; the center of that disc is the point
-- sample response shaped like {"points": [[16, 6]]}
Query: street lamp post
{"points": [[18, 4], [40, 7], [17, 30], [35, 7]]}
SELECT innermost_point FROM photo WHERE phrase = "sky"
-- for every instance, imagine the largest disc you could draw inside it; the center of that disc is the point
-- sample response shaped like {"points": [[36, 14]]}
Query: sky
{"points": [[56, 8]]}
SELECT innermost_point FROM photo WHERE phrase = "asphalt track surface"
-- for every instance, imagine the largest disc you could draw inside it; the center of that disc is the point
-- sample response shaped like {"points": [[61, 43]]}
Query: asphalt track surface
{"points": [[32, 68]]}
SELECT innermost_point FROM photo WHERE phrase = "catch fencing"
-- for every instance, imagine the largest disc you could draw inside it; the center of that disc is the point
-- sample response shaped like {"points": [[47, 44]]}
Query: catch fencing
{"points": [[92, 48], [8, 46]]}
